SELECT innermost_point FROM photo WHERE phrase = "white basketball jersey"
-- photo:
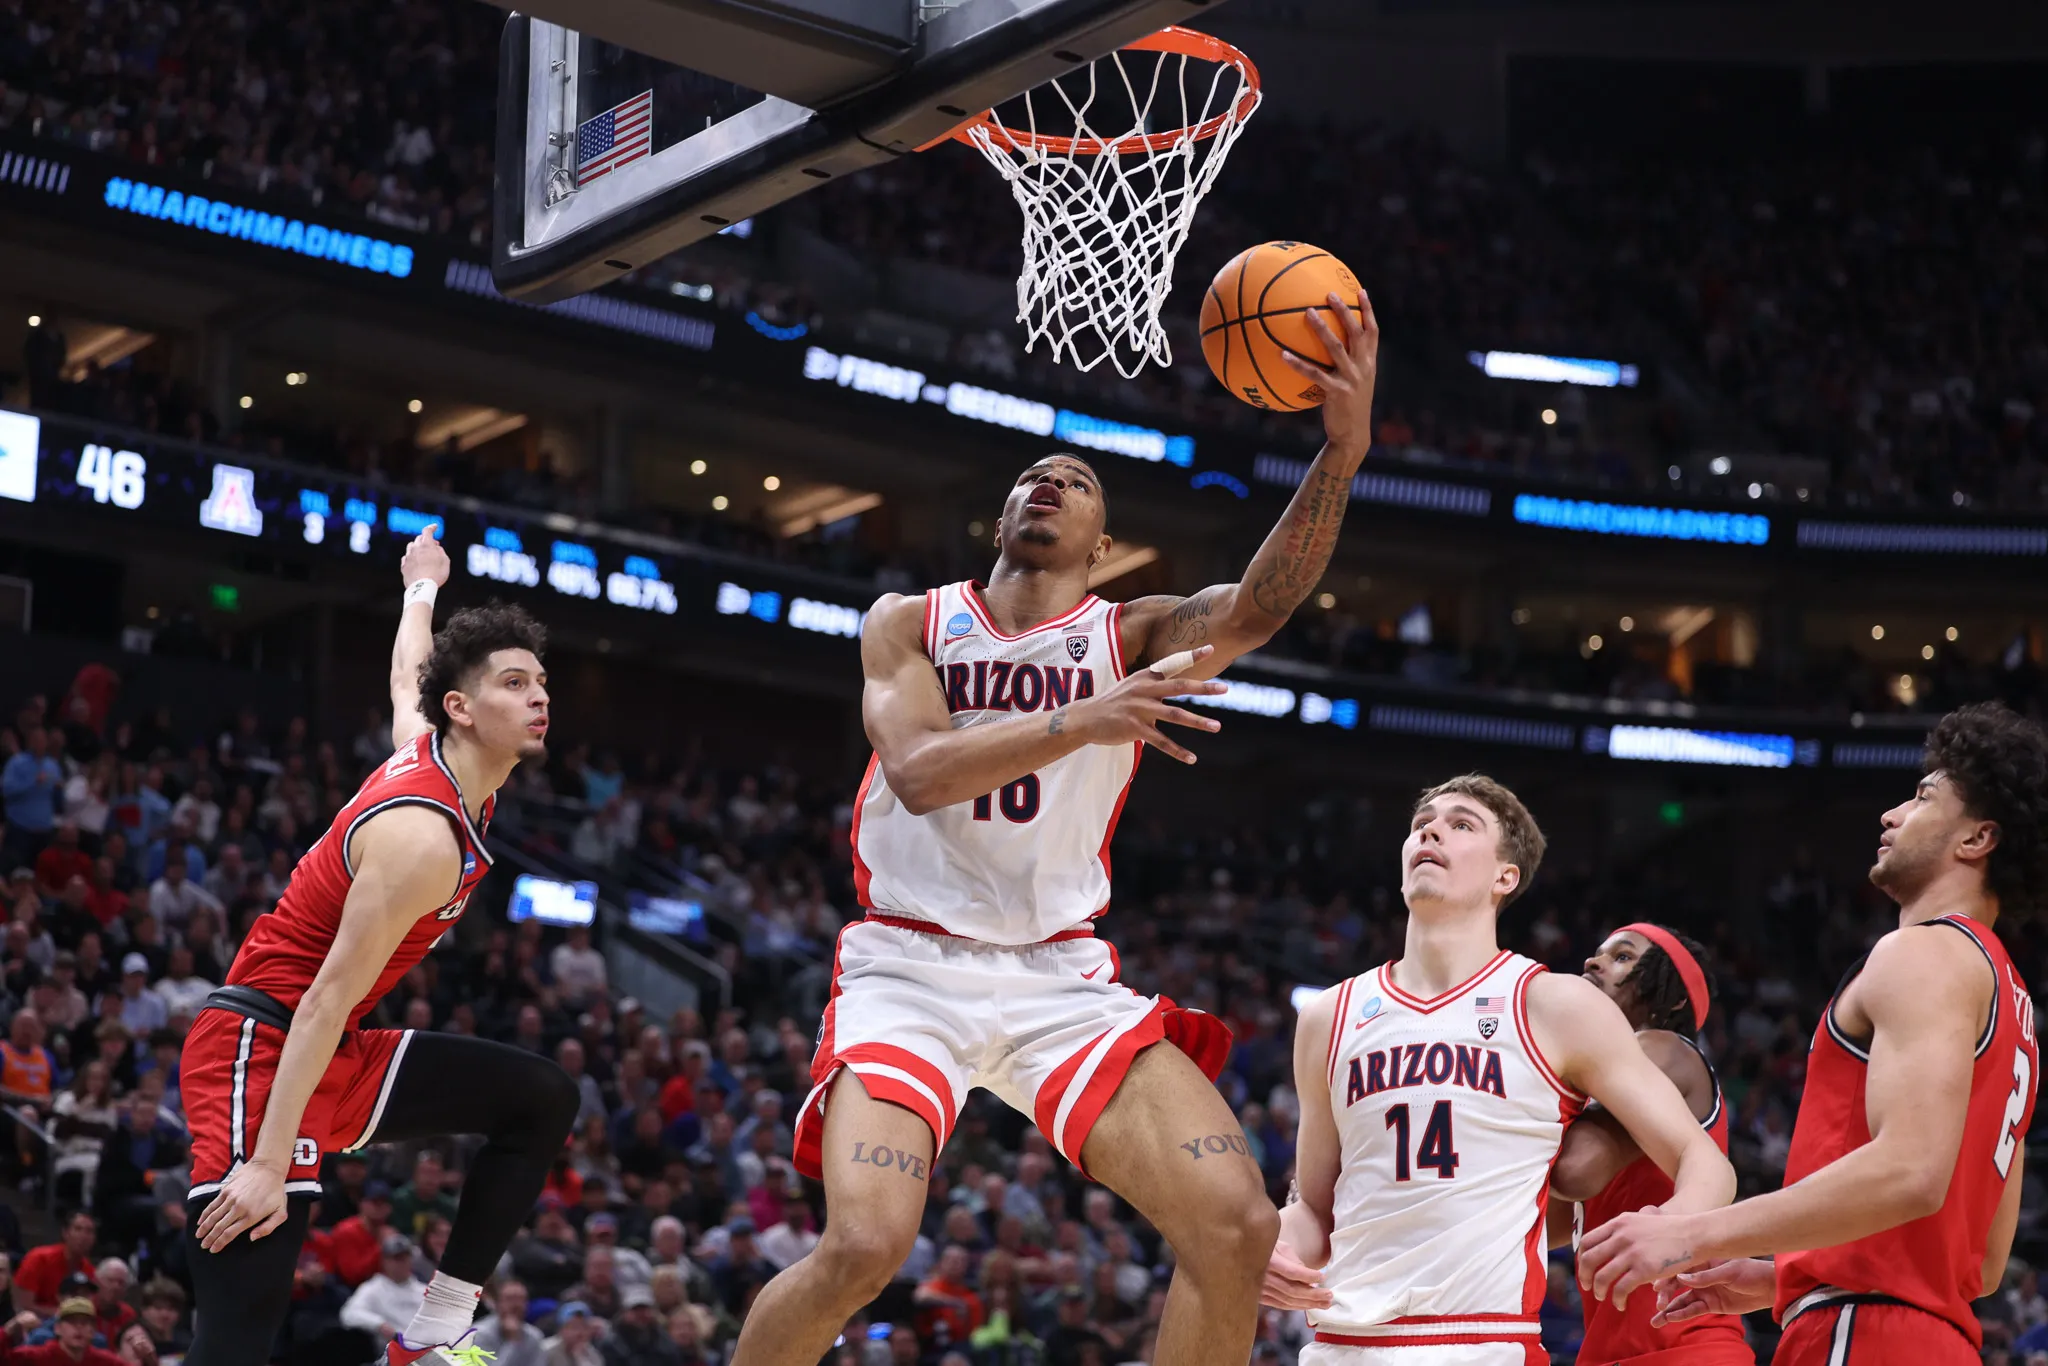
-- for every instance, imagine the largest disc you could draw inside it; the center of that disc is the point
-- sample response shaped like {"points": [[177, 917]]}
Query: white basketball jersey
{"points": [[1019, 865], [1448, 1120]]}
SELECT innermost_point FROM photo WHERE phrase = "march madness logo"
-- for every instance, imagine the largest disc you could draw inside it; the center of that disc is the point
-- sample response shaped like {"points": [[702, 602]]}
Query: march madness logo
{"points": [[1077, 648]]}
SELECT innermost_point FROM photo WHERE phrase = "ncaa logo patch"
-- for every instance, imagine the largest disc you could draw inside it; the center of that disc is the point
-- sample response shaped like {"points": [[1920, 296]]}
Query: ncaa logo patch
{"points": [[960, 624], [468, 862], [1488, 1026], [1077, 648], [1371, 1009]]}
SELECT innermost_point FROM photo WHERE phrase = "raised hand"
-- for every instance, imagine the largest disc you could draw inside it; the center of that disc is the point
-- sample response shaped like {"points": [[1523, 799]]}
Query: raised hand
{"points": [[1135, 708], [425, 558], [1354, 369]]}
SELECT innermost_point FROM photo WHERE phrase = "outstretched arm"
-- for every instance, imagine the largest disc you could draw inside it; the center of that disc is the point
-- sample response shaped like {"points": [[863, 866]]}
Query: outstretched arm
{"points": [[426, 561], [407, 864], [929, 764], [1924, 991], [1292, 1274], [1238, 618]]}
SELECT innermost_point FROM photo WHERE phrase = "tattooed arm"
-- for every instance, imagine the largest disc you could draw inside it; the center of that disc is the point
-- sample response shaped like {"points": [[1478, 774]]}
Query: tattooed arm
{"points": [[1239, 617]]}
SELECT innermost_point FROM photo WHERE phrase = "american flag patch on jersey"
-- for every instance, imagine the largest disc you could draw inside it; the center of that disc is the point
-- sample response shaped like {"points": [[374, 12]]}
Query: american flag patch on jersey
{"points": [[622, 133], [1489, 1005]]}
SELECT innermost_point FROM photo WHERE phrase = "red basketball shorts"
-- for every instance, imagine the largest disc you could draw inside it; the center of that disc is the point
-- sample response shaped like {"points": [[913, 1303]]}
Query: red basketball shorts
{"points": [[225, 1079], [1873, 1335]]}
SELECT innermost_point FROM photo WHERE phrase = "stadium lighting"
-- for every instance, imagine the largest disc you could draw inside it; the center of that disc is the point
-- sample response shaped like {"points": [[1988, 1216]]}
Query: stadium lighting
{"points": [[1327, 601], [698, 467], [1927, 652], [1952, 633], [1550, 417], [414, 406], [771, 483], [35, 320], [1627, 624], [720, 503], [1877, 633], [247, 401]]}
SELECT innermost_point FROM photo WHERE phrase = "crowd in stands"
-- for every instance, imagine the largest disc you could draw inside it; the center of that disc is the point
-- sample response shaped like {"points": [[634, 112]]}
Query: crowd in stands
{"points": [[1856, 307], [140, 848]]}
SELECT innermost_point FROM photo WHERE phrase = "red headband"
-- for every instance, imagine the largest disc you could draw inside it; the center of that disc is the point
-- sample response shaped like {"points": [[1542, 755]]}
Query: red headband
{"points": [[1688, 967]]}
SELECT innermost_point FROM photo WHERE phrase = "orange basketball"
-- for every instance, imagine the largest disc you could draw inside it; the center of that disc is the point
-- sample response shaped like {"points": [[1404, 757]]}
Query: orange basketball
{"points": [[1257, 307]]}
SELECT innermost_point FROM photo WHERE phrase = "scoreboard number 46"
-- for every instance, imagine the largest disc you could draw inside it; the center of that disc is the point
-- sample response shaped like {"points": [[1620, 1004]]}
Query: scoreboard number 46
{"points": [[112, 476]]}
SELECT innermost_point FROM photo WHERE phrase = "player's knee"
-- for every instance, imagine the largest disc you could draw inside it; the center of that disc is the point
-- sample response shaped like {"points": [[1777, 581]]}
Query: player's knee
{"points": [[556, 1101], [860, 1258], [1234, 1236]]}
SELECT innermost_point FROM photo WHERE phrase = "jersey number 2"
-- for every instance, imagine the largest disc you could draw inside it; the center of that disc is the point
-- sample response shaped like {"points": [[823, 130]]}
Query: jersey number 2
{"points": [[1438, 1148], [2015, 1109], [1019, 801]]}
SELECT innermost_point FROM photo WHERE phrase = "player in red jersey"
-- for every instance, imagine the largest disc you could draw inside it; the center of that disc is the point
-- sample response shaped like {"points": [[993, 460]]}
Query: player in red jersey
{"points": [[276, 1074], [1903, 1184], [1654, 974]]}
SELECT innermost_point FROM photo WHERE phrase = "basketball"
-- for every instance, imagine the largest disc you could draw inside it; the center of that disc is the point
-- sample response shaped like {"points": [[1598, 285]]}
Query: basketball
{"points": [[1257, 307]]}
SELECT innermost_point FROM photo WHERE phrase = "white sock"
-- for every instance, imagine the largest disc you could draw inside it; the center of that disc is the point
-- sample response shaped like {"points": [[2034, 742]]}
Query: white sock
{"points": [[449, 1310]]}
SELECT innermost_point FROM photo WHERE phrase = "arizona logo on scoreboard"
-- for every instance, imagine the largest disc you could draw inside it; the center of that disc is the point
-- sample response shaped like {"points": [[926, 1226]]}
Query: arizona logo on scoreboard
{"points": [[232, 504]]}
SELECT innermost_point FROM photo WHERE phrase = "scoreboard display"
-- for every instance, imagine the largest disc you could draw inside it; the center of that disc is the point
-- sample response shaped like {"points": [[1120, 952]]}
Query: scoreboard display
{"points": [[176, 486]]}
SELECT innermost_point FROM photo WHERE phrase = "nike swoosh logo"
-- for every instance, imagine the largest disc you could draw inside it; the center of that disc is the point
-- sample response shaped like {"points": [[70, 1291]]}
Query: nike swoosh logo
{"points": [[1090, 976]]}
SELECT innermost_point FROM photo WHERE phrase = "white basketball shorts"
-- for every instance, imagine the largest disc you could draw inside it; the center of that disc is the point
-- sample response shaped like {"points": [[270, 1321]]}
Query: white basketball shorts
{"points": [[922, 1017]]}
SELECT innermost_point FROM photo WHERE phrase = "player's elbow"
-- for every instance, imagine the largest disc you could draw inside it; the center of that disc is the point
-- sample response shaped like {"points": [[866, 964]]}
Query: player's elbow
{"points": [[1920, 1189], [1578, 1176]]}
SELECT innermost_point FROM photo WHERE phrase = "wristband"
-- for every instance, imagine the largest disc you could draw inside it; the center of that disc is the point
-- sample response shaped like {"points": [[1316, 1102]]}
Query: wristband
{"points": [[421, 590]]}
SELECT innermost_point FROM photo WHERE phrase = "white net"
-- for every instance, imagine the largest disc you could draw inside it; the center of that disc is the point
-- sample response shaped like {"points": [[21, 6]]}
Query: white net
{"points": [[1109, 164]]}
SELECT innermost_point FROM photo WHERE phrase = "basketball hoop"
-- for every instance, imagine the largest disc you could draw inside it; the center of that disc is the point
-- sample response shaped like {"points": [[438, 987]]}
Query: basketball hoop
{"points": [[1106, 213]]}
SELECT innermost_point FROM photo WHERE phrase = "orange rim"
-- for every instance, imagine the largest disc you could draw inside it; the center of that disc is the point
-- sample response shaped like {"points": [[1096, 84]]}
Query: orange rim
{"points": [[1185, 42]]}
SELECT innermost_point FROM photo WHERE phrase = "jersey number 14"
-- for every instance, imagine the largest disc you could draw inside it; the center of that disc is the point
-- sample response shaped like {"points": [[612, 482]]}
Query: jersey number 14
{"points": [[1439, 1149]]}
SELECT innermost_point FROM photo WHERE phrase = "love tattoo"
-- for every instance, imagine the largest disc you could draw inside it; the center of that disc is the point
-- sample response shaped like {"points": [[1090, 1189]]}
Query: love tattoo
{"points": [[1197, 1148], [889, 1159]]}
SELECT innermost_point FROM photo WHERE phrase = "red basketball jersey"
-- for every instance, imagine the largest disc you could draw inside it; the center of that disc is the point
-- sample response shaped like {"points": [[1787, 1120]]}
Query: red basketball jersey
{"points": [[1935, 1263], [286, 947], [1614, 1335]]}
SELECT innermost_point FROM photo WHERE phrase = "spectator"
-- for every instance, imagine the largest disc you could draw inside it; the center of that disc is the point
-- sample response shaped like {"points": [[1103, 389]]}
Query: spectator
{"points": [[29, 784], [183, 991], [945, 1300], [39, 1283], [65, 1007], [548, 1258], [82, 1118], [174, 896], [507, 1334], [382, 1305], [145, 1150], [574, 1341], [578, 969], [637, 1338], [72, 1345], [143, 1012], [163, 1315], [110, 1299], [359, 1241], [741, 1262], [791, 1240], [628, 1266], [599, 1287], [569, 1056], [423, 1197], [61, 860]]}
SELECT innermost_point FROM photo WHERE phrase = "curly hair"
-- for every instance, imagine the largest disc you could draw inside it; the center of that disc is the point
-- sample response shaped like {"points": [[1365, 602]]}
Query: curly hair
{"points": [[465, 645], [1661, 991], [1998, 761], [1521, 842]]}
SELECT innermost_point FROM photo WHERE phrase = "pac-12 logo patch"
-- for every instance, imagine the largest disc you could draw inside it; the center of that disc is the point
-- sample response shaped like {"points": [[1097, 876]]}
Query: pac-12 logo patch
{"points": [[1488, 1026], [1077, 648], [960, 624]]}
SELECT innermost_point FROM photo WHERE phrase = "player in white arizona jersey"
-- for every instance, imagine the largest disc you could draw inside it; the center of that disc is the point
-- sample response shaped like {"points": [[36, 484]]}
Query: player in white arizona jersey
{"points": [[1007, 720], [1435, 1091]]}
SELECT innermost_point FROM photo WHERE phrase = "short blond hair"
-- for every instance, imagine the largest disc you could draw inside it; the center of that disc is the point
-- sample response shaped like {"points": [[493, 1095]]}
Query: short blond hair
{"points": [[1520, 843]]}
